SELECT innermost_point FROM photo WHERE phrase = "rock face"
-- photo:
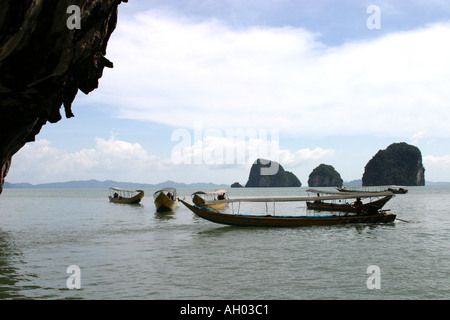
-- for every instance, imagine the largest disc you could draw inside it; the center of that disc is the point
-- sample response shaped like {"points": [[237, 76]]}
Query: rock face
{"points": [[325, 176], [399, 164], [266, 173], [47, 54]]}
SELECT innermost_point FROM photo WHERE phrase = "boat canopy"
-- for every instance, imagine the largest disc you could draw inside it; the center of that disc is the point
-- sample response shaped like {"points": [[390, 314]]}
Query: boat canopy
{"points": [[219, 191], [371, 188], [167, 191], [358, 194], [171, 190], [124, 190], [334, 196]]}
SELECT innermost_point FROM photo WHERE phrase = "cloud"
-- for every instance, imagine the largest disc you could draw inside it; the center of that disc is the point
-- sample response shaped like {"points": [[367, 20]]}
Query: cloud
{"points": [[239, 148], [415, 139], [304, 156], [444, 160], [39, 162], [120, 160], [174, 71], [437, 167]]}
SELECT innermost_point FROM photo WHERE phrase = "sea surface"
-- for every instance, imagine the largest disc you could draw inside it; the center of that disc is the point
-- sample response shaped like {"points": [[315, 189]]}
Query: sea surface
{"points": [[75, 244]]}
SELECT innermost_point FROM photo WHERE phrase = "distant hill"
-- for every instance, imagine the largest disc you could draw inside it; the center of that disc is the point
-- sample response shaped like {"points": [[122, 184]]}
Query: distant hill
{"points": [[353, 183], [324, 176], [23, 185], [95, 184], [236, 185], [280, 178], [431, 183]]}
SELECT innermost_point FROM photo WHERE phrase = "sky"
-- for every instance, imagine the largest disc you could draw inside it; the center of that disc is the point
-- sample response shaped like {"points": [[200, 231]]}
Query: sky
{"points": [[200, 89]]}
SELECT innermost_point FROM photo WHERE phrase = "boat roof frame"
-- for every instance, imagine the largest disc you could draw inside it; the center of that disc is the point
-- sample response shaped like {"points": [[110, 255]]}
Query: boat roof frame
{"points": [[168, 189], [339, 196], [124, 190], [218, 191]]}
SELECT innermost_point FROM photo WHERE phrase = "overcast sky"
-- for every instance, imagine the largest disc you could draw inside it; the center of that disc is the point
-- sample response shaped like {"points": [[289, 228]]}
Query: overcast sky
{"points": [[200, 89]]}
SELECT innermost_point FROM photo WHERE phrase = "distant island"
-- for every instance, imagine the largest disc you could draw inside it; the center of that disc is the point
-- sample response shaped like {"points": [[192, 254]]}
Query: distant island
{"points": [[95, 184], [278, 178], [325, 176], [398, 164]]}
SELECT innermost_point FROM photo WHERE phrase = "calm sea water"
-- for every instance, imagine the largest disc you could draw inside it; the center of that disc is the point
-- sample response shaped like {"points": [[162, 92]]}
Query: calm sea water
{"points": [[132, 252]]}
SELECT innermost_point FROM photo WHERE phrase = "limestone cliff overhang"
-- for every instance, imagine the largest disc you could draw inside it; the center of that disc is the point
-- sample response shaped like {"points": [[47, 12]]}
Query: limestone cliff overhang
{"points": [[44, 60]]}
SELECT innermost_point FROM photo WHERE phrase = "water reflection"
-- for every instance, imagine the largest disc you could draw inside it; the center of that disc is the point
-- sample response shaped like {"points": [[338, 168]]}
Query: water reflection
{"points": [[357, 227], [9, 275], [163, 216]]}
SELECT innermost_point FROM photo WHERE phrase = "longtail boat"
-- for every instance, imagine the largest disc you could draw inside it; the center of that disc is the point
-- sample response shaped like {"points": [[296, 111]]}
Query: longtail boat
{"points": [[165, 199], [393, 189], [376, 201], [267, 220], [208, 199], [118, 195]]}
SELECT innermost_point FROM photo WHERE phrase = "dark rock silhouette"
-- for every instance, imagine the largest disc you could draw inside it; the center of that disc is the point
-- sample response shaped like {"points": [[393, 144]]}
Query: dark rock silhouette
{"points": [[325, 176], [399, 164], [237, 185], [266, 173], [45, 58]]}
